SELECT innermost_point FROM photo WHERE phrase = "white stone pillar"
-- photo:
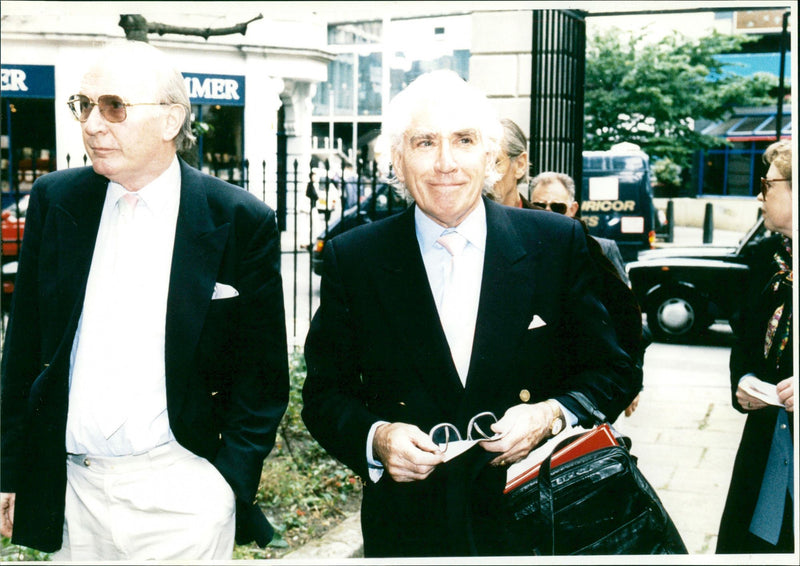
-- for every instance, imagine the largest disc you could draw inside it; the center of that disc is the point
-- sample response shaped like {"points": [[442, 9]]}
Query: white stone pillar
{"points": [[260, 130]]}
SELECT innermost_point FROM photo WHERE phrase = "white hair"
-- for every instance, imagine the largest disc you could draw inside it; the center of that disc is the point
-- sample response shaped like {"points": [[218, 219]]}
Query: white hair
{"points": [[440, 88]]}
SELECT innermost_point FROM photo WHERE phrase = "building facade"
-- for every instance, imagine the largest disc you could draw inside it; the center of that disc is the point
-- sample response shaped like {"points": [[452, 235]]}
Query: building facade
{"points": [[309, 80], [247, 90]]}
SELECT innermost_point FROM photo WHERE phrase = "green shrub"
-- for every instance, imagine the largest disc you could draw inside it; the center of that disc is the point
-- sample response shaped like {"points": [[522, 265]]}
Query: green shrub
{"points": [[667, 172]]}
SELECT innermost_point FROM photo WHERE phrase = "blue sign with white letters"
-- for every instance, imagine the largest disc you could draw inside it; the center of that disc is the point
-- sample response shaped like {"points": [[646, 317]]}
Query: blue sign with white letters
{"points": [[225, 90], [28, 81]]}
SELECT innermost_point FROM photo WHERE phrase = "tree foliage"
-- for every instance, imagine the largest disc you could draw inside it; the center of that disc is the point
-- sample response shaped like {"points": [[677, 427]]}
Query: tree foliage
{"points": [[651, 94]]}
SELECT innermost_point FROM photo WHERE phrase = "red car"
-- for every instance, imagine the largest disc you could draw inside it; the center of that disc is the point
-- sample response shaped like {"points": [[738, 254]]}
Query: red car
{"points": [[13, 226]]}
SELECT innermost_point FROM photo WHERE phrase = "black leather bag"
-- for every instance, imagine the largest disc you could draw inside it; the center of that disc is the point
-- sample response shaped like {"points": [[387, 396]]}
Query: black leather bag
{"points": [[597, 504]]}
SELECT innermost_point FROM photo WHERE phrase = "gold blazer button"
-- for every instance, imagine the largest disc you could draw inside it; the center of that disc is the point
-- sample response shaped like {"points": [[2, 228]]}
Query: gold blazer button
{"points": [[524, 395]]}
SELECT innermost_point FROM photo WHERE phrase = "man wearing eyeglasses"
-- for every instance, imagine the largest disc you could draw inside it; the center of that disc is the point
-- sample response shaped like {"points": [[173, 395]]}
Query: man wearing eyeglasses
{"points": [[145, 369], [458, 310]]}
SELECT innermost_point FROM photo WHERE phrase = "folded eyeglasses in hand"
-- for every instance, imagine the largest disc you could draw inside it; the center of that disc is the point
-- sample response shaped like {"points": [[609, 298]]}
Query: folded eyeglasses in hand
{"points": [[447, 437]]}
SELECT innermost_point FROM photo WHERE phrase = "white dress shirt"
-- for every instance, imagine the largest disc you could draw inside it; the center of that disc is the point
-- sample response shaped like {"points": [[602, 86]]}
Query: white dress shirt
{"points": [[117, 382], [437, 264]]}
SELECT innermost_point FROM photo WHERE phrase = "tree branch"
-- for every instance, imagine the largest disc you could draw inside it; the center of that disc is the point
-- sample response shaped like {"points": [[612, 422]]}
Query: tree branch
{"points": [[137, 27]]}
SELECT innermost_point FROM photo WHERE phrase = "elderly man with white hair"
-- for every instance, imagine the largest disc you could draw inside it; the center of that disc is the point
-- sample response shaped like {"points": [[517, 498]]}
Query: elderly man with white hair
{"points": [[459, 316]]}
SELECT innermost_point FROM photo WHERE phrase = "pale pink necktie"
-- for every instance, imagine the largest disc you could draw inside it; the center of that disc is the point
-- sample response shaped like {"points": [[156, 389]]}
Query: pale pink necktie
{"points": [[131, 200], [451, 311]]}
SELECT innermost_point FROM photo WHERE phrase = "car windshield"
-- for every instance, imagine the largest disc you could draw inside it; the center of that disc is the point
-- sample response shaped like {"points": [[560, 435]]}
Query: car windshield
{"points": [[757, 233]]}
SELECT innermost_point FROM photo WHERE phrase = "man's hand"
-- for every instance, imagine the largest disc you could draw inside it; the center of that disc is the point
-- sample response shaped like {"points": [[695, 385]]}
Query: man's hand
{"points": [[632, 407], [7, 513], [522, 428], [407, 453], [785, 391]]}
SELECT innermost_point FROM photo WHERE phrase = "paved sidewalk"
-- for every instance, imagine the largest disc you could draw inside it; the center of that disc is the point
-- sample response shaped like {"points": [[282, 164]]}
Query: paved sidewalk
{"points": [[344, 541]]}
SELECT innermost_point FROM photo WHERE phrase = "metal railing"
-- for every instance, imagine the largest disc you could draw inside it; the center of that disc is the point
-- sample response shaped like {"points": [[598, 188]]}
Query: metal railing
{"points": [[311, 205]]}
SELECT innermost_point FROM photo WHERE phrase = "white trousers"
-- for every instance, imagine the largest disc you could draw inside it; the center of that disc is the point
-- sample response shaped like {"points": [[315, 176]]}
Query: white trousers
{"points": [[167, 504]]}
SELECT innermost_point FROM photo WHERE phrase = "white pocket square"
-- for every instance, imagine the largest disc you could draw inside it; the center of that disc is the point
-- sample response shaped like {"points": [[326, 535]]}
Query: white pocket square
{"points": [[223, 291], [537, 322]]}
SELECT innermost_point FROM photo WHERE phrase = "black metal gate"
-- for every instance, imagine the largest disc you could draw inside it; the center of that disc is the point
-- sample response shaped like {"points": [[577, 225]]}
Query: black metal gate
{"points": [[557, 77]]}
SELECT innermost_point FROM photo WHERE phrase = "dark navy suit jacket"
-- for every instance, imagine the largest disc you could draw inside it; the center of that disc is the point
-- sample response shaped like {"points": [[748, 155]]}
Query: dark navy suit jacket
{"points": [[376, 351], [226, 360]]}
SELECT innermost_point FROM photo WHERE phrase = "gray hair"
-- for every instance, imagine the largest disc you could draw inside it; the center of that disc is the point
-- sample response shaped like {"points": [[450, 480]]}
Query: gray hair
{"points": [[169, 81], [440, 86], [514, 143], [550, 177]]}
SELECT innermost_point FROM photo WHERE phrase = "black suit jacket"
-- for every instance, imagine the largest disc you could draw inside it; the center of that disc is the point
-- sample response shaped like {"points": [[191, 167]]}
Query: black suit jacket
{"points": [[747, 356], [376, 351], [226, 360]]}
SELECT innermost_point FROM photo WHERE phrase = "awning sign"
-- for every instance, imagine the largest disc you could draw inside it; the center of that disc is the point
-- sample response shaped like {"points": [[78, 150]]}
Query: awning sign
{"points": [[28, 81], [225, 90]]}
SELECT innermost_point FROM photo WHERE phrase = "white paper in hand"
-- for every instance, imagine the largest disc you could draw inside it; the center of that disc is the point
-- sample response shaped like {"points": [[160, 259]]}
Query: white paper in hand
{"points": [[761, 390], [458, 447]]}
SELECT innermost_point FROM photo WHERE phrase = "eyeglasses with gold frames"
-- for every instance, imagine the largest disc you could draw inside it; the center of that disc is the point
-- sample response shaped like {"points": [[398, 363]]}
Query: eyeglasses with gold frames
{"points": [[111, 106], [766, 184]]}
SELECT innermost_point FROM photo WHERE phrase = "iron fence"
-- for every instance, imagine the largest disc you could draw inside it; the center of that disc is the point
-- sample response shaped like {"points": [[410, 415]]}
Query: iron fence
{"points": [[307, 205], [558, 62]]}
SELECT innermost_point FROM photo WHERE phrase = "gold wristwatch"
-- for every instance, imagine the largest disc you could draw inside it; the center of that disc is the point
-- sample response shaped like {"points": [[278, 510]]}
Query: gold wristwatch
{"points": [[559, 422]]}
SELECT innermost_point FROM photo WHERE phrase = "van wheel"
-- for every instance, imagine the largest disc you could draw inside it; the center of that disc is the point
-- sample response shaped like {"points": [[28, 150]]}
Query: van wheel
{"points": [[676, 315]]}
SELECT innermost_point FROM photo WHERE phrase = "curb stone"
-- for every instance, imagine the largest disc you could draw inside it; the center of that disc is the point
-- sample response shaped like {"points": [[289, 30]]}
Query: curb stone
{"points": [[343, 541]]}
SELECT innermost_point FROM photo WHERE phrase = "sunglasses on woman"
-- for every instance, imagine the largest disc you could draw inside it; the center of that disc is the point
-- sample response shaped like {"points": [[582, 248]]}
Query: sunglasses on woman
{"points": [[558, 207]]}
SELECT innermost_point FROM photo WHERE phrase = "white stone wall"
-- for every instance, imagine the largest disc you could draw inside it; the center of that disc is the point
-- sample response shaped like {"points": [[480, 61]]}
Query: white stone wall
{"points": [[500, 62], [736, 214]]}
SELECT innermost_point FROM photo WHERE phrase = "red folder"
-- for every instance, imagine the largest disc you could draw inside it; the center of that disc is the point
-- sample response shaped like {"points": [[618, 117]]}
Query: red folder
{"points": [[599, 437]]}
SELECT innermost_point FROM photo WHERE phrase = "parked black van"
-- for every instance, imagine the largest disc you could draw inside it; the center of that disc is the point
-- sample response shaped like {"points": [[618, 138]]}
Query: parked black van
{"points": [[617, 198]]}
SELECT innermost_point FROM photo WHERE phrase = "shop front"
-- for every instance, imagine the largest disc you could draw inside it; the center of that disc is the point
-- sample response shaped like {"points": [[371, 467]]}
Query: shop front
{"points": [[218, 103], [27, 109]]}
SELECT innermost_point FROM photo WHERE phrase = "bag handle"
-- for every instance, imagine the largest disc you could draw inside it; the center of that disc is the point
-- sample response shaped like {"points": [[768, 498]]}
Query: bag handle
{"points": [[546, 502], [546, 505], [588, 406]]}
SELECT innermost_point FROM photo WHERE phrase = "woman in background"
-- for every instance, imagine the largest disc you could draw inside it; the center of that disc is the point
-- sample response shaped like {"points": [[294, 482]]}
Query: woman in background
{"points": [[512, 164], [758, 515]]}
